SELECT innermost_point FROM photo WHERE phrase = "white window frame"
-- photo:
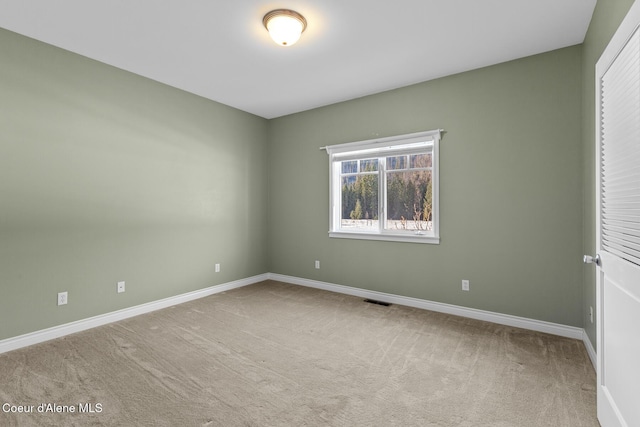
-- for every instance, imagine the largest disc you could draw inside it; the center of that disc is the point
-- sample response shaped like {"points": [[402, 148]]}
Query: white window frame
{"points": [[414, 143]]}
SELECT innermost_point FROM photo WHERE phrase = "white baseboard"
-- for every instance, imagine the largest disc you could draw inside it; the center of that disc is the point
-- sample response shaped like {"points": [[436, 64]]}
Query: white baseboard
{"points": [[84, 324], [488, 316], [36, 337], [590, 350]]}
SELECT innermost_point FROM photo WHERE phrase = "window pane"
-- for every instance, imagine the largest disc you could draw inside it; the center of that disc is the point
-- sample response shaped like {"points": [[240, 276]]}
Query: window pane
{"points": [[350, 167], [368, 165], [409, 201], [420, 160], [359, 202], [396, 162]]}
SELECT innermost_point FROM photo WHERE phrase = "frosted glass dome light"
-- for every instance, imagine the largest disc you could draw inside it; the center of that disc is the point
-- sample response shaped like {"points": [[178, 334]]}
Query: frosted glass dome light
{"points": [[285, 26]]}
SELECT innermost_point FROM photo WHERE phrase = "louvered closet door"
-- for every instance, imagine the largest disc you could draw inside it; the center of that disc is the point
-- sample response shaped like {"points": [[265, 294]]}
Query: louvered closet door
{"points": [[618, 227]]}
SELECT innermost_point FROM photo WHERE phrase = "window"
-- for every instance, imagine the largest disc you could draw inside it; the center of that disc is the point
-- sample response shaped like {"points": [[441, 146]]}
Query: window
{"points": [[386, 189]]}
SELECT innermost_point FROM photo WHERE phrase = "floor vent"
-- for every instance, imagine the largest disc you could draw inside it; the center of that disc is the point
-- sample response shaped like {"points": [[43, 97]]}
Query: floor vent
{"points": [[372, 301]]}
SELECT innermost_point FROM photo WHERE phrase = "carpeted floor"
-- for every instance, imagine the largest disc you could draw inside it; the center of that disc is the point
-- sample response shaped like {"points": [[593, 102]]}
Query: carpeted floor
{"points": [[274, 354]]}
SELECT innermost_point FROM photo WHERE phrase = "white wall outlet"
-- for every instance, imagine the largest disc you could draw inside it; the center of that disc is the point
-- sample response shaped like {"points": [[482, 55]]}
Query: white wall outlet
{"points": [[318, 264], [120, 287], [217, 268], [62, 298], [465, 285], [591, 314]]}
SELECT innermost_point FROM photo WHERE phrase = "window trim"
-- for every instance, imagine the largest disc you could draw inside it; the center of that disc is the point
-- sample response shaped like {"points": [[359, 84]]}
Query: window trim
{"points": [[384, 147]]}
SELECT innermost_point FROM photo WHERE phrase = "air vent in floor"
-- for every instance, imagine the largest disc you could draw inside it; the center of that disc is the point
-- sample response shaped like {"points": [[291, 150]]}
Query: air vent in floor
{"points": [[372, 301]]}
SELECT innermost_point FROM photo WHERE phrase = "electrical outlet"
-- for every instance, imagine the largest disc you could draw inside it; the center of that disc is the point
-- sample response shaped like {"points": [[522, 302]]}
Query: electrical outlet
{"points": [[62, 298], [120, 287], [591, 314], [465, 285], [318, 265], [217, 268]]}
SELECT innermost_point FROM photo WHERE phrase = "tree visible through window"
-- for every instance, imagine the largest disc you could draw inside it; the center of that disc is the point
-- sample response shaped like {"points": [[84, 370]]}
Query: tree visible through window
{"points": [[386, 189], [360, 193]]}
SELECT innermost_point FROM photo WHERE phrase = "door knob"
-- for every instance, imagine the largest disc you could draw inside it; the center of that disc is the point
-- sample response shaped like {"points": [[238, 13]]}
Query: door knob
{"points": [[588, 259]]}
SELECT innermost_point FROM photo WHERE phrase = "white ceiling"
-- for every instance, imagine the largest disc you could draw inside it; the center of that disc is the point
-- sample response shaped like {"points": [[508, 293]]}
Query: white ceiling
{"points": [[351, 48]]}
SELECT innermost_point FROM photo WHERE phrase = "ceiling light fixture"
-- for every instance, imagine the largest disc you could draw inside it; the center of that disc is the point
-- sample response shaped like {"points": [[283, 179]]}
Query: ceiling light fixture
{"points": [[285, 26]]}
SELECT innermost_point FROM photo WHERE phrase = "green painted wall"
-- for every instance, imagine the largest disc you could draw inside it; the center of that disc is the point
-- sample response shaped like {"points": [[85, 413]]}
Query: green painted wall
{"points": [[605, 21], [511, 190], [107, 176]]}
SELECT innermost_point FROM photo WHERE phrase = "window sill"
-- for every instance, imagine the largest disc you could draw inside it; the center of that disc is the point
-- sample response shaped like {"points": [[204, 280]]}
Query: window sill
{"points": [[389, 237]]}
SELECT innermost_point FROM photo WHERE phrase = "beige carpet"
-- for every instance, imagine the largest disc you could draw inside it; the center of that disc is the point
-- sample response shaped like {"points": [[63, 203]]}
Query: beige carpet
{"points": [[274, 354]]}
